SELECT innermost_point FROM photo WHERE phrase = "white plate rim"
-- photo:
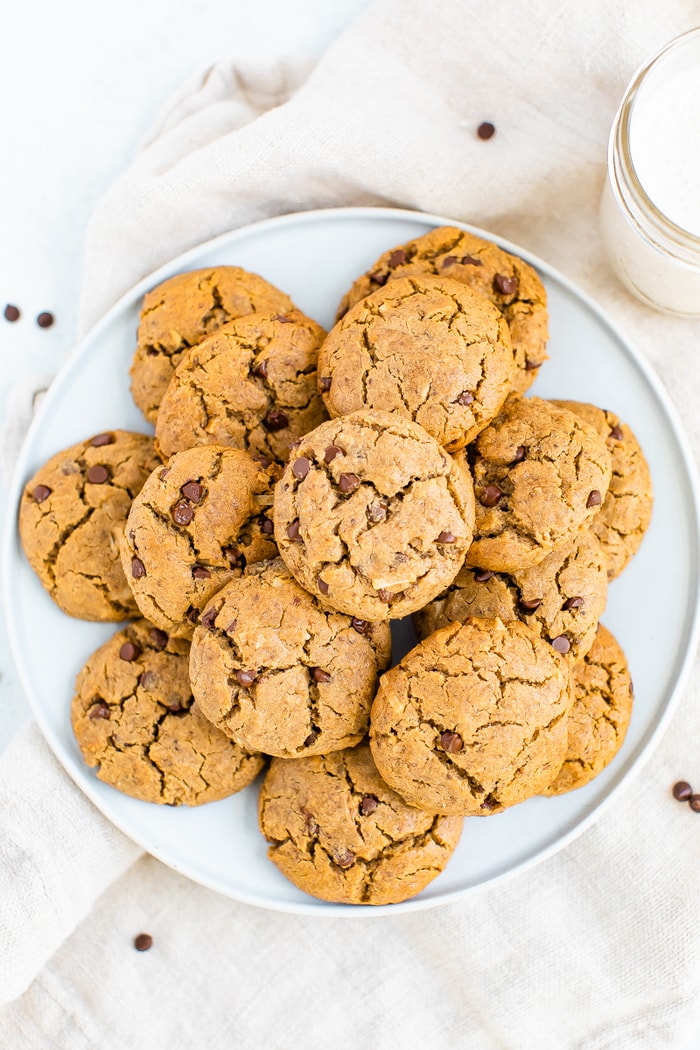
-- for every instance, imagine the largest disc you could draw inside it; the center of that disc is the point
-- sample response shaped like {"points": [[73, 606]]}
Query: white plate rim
{"points": [[183, 261]]}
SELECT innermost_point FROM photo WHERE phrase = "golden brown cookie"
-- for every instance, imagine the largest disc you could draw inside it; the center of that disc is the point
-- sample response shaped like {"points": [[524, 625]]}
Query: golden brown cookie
{"points": [[562, 597], [70, 517], [184, 310], [509, 282], [429, 348], [372, 516], [338, 832], [277, 672], [473, 719], [599, 718], [195, 524], [251, 385], [626, 511], [133, 720], [540, 477]]}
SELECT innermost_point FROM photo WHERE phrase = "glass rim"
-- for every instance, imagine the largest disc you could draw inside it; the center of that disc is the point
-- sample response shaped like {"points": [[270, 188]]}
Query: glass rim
{"points": [[624, 174]]}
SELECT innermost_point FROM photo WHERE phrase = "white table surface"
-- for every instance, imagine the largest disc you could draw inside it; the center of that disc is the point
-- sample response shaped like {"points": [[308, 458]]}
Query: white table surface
{"points": [[81, 83]]}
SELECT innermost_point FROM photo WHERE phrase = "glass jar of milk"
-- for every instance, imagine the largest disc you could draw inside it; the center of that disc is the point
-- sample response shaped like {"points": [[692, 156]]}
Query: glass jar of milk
{"points": [[650, 210]]}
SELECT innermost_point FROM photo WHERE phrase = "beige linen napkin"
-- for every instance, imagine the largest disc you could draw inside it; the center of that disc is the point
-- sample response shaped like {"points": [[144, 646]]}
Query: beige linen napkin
{"points": [[598, 947]]}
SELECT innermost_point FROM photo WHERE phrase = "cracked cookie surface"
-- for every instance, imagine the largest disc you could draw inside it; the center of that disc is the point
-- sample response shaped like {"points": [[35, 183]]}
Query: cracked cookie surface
{"points": [[372, 516], [277, 672], [195, 524], [251, 385], [184, 310], [71, 514], [562, 597], [133, 718], [510, 283], [473, 719], [428, 348], [540, 477], [598, 720], [338, 832], [626, 511]]}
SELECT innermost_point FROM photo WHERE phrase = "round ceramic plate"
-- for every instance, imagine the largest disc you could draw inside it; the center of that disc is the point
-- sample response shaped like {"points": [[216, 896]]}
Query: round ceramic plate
{"points": [[652, 608]]}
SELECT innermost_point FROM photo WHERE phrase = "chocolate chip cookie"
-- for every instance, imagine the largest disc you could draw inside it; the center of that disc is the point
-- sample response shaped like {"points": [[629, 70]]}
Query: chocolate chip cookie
{"points": [[540, 477], [511, 284], [429, 348], [71, 514], [562, 597], [372, 516], [598, 721], [473, 719], [195, 524], [184, 310], [133, 718], [338, 832], [251, 385], [626, 511], [277, 672]]}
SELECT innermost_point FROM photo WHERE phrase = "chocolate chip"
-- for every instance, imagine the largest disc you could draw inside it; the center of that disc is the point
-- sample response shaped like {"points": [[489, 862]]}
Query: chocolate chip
{"points": [[192, 490], [361, 626], [310, 824], [45, 319], [447, 537], [530, 366], [449, 260], [301, 467], [531, 605], [176, 708], [232, 627], [98, 474], [158, 637], [490, 496], [520, 454], [129, 652], [322, 585], [182, 513], [345, 858], [379, 278], [573, 603], [200, 573], [594, 499], [138, 569], [397, 258], [324, 383], [482, 575], [561, 643], [143, 942], [266, 526], [486, 130], [192, 614], [102, 439], [98, 710], [263, 461], [489, 804], [694, 803], [283, 319], [681, 791], [331, 452], [260, 369], [209, 617], [368, 805], [246, 678], [616, 434], [465, 398], [275, 421], [504, 284], [377, 512], [451, 742], [293, 531], [162, 474], [348, 482], [235, 558], [471, 260], [41, 492], [312, 738], [11, 313], [386, 596], [148, 679]]}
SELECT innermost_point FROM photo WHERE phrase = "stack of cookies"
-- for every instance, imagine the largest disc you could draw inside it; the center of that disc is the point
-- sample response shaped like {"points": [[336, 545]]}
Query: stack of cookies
{"points": [[304, 489]]}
